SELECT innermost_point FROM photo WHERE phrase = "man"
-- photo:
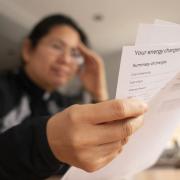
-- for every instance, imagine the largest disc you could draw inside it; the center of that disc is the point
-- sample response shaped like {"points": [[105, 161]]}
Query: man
{"points": [[50, 59], [39, 147]]}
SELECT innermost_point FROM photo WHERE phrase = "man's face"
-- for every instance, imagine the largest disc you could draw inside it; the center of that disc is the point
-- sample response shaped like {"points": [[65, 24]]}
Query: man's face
{"points": [[53, 62]]}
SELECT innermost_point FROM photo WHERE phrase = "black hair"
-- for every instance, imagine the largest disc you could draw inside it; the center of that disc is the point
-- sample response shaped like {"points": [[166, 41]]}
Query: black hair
{"points": [[46, 24]]}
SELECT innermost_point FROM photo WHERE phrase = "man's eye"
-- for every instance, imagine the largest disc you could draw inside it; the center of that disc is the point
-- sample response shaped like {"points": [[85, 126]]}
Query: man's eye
{"points": [[57, 46], [76, 54]]}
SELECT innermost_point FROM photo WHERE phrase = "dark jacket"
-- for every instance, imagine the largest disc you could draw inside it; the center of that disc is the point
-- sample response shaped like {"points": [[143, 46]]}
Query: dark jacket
{"points": [[24, 111]]}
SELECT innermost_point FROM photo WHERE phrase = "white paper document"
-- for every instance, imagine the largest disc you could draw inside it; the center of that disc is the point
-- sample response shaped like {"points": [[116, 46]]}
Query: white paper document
{"points": [[148, 71], [162, 22], [145, 70], [158, 34]]}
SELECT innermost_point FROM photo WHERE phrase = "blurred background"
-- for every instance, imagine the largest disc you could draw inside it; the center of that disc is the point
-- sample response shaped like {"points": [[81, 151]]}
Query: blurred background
{"points": [[110, 24]]}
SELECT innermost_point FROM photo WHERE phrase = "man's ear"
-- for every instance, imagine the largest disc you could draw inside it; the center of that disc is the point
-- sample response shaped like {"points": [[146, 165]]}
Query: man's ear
{"points": [[26, 50]]}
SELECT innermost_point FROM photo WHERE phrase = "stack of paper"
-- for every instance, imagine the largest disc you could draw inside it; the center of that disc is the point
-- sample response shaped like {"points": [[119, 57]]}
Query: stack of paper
{"points": [[149, 71]]}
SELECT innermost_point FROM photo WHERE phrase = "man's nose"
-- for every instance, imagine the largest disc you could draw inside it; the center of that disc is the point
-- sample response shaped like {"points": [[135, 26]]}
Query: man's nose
{"points": [[65, 57]]}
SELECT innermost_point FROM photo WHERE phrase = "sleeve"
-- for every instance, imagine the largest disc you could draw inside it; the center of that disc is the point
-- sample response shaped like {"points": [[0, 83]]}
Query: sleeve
{"points": [[25, 153], [9, 92], [62, 100]]}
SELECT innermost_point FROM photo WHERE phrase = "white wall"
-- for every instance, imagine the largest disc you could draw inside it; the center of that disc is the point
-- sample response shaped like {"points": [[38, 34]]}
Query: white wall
{"points": [[112, 63]]}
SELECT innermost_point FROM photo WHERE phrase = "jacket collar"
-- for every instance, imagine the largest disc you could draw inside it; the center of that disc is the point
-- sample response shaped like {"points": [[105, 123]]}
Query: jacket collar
{"points": [[30, 87]]}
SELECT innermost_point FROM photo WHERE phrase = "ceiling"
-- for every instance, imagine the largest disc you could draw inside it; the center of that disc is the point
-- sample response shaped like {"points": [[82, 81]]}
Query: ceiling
{"points": [[117, 28], [121, 17]]}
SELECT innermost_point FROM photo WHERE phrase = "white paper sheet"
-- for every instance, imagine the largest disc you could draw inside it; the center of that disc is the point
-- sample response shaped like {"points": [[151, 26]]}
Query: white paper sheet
{"points": [[162, 22], [147, 144], [149, 72], [157, 34], [145, 70]]}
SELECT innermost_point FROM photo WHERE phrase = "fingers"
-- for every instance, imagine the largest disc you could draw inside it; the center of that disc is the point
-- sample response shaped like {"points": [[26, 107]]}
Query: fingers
{"points": [[136, 123], [84, 50], [116, 131], [101, 123], [103, 161], [90, 56], [99, 156], [124, 141], [108, 148], [113, 110], [90, 136]]}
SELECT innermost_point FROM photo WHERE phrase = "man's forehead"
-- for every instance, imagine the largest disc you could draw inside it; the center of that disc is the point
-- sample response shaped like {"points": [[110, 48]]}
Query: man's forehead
{"points": [[63, 41], [65, 35], [67, 43]]}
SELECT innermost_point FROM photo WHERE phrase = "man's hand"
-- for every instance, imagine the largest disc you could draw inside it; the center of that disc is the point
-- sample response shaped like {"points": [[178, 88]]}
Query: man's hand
{"points": [[92, 74], [90, 136]]}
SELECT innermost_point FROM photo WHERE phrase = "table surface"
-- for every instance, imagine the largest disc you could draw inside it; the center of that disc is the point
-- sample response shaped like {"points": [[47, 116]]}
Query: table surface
{"points": [[159, 174]]}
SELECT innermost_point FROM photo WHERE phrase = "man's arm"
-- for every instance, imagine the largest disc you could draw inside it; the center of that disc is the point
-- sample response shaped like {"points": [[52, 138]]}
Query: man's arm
{"points": [[25, 153], [85, 136]]}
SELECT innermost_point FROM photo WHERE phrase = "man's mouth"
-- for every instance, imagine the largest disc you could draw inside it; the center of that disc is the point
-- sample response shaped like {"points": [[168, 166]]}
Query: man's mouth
{"points": [[60, 71]]}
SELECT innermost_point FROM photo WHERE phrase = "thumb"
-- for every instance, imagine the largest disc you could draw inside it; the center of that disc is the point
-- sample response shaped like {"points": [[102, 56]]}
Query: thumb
{"points": [[108, 111]]}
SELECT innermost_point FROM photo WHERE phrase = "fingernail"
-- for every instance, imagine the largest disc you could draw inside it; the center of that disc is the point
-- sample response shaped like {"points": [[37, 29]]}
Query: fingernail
{"points": [[144, 106]]}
